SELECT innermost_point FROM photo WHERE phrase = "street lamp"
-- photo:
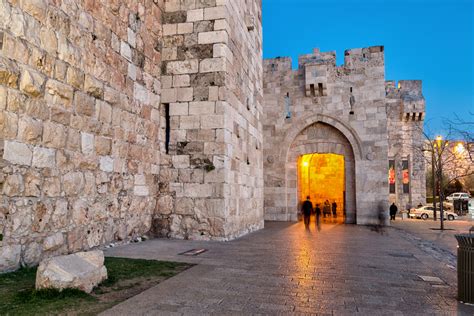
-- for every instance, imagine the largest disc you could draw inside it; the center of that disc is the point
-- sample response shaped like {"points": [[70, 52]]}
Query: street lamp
{"points": [[440, 146]]}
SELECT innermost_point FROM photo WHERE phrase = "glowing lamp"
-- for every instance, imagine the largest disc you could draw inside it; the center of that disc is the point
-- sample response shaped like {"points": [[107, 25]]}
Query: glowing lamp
{"points": [[305, 164], [459, 148]]}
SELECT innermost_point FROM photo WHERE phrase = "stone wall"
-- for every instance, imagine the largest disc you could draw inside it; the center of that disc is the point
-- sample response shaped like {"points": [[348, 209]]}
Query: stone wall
{"points": [[320, 91], [211, 181], [79, 124]]}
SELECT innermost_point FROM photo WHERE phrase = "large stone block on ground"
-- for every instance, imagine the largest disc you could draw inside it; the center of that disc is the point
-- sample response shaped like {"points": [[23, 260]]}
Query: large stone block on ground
{"points": [[82, 270]]}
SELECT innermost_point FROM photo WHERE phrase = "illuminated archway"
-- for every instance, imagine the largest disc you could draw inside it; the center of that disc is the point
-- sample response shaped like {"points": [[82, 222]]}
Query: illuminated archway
{"points": [[321, 138], [321, 176]]}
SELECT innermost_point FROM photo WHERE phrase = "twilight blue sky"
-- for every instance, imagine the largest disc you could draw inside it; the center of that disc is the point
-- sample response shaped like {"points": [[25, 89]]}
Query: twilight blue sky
{"points": [[431, 40]]}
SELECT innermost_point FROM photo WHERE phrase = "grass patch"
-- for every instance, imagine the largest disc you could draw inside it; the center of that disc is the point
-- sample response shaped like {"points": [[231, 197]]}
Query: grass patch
{"points": [[127, 277]]}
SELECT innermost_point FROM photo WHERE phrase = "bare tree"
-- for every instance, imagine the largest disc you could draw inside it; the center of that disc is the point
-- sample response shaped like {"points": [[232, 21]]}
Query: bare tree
{"points": [[450, 156]]}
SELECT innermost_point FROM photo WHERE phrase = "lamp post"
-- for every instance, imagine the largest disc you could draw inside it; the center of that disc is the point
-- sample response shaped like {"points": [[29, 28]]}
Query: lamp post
{"points": [[439, 143]]}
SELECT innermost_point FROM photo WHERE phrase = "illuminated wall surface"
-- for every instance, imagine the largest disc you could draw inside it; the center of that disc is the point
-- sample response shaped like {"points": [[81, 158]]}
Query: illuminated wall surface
{"points": [[321, 176]]}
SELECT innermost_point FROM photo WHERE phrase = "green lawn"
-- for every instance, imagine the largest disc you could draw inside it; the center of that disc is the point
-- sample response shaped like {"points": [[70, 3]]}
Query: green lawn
{"points": [[127, 277]]}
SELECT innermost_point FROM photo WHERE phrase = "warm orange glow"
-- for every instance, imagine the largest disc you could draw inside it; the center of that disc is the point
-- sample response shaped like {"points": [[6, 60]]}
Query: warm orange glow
{"points": [[321, 176]]}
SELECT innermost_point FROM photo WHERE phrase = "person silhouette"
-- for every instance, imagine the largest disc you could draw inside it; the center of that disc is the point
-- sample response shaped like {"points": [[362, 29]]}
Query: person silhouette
{"points": [[307, 209]]}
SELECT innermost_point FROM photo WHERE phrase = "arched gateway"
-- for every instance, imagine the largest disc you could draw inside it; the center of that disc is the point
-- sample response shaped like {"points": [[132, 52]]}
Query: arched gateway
{"points": [[318, 155]]}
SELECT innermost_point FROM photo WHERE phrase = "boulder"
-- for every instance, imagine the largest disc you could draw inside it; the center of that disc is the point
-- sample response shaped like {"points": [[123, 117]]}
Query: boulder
{"points": [[82, 270]]}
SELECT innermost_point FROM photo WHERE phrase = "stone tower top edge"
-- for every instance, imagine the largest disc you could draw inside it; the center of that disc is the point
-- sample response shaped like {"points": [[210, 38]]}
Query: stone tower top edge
{"points": [[353, 58]]}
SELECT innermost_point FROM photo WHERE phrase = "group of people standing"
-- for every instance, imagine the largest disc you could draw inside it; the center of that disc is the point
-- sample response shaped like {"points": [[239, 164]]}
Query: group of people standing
{"points": [[307, 210]]}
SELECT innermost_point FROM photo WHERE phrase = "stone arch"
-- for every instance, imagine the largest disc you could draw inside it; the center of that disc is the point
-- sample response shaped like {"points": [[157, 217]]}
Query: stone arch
{"points": [[298, 126], [320, 136]]}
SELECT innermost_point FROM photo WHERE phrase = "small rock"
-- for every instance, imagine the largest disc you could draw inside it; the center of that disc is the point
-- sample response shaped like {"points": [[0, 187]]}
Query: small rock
{"points": [[82, 270]]}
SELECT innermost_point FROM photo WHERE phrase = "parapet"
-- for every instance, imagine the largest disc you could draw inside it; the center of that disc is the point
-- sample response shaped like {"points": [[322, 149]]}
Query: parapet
{"points": [[277, 64], [412, 102]]}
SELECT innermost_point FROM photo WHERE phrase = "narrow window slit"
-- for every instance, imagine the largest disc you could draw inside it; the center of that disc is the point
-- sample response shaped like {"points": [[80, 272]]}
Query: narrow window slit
{"points": [[167, 127]]}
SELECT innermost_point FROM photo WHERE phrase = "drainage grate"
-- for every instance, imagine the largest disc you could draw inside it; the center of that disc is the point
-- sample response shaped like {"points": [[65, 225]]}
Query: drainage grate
{"points": [[193, 252]]}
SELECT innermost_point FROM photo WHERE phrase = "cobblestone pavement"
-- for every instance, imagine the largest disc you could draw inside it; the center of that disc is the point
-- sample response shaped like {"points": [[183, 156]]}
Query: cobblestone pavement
{"points": [[284, 269]]}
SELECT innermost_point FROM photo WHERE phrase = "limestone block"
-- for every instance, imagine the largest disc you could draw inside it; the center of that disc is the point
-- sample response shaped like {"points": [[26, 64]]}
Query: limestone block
{"points": [[165, 204], [52, 186], [169, 29], [17, 153], [13, 185], [48, 39], [185, 28], [106, 164], [197, 190], [36, 8], [131, 37], [87, 143], [140, 93], [195, 15], [180, 161], [212, 121], [214, 13], [73, 183], [58, 93], [30, 130], [93, 87], [8, 125], [103, 145], [44, 157], [181, 81], [9, 73], [184, 206], [213, 37], [32, 184], [184, 94], [201, 107], [54, 135], [32, 254], [82, 270], [105, 111], [212, 65], [10, 257], [31, 82], [75, 77], [125, 51], [169, 95], [53, 242], [182, 67], [84, 103]]}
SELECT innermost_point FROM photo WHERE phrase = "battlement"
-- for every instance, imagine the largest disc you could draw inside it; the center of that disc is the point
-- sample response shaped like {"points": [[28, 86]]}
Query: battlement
{"points": [[409, 92], [277, 64]]}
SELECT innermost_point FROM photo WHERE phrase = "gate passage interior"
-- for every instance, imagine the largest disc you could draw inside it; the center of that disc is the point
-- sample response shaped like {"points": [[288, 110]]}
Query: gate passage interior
{"points": [[321, 176]]}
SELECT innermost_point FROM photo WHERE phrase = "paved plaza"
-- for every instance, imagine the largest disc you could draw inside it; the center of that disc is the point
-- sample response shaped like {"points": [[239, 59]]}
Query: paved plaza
{"points": [[284, 269]]}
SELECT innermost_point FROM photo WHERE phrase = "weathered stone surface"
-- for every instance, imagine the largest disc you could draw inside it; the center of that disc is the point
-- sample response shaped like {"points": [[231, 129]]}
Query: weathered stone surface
{"points": [[59, 93], [31, 83], [44, 157], [53, 242], [9, 73], [10, 257], [82, 270], [30, 130], [17, 153]]}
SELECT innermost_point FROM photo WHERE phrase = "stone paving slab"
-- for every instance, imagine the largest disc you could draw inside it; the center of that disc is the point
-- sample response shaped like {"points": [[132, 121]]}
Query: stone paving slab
{"points": [[283, 269]]}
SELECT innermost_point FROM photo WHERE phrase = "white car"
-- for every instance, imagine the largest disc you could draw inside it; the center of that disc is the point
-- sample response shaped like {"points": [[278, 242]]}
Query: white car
{"points": [[426, 212], [458, 196]]}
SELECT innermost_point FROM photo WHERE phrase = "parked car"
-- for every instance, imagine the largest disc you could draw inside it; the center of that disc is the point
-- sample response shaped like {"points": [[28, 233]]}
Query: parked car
{"points": [[427, 211], [458, 196]]}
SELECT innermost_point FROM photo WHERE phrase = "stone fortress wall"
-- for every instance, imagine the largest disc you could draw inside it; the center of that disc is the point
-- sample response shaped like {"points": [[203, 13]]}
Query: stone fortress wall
{"points": [[123, 117], [319, 93]]}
